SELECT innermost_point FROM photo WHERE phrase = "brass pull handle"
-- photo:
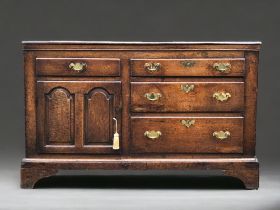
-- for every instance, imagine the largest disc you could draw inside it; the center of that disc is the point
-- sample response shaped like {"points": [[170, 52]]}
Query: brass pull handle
{"points": [[221, 135], [187, 123], [116, 139], [152, 96], [221, 96], [79, 67], [152, 134], [222, 67], [187, 88], [152, 67]]}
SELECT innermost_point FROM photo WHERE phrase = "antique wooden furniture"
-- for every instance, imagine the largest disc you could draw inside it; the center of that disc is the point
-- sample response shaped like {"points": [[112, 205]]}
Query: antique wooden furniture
{"points": [[140, 106]]}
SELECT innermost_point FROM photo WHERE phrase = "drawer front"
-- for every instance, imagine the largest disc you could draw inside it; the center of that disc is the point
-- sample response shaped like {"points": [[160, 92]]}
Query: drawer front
{"points": [[187, 96], [188, 67], [186, 135], [78, 67]]}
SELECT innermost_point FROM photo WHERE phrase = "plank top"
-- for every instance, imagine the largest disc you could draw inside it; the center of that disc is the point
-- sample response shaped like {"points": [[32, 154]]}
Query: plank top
{"points": [[138, 42], [114, 45]]}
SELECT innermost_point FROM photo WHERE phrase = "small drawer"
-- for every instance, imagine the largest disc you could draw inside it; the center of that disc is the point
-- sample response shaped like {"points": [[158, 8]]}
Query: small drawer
{"points": [[78, 66], [186, 134], [188, 67], [187, 96]]}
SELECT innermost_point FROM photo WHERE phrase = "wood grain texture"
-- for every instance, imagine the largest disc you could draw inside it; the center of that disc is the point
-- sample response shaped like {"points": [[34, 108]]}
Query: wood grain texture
{"points": [[138, 54], [29, 176], [125, 106], [174, 99], [245, 169], [93, 120], [94, 67], [87, 45], [187, 67], [59, 117], [177, 138], [69, 114], [98, 117], [30, 104], [251, 89], [248, 174]]}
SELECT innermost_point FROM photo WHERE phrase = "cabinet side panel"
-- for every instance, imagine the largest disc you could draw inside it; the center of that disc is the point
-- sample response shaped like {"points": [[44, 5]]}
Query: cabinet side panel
{"points": [[252, 59]]}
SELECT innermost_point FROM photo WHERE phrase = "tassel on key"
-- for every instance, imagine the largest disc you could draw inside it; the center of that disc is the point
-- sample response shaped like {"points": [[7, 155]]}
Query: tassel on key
{"points": [[116, 139]]}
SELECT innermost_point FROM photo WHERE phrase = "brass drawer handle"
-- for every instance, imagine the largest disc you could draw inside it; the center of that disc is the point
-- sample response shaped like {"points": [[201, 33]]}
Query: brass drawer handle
{"points": [[79, 67], [221, 96], [152, 134], [152, 67], [187, 88], [221, 135], [222, 67], [152, 96], [187, 123]]}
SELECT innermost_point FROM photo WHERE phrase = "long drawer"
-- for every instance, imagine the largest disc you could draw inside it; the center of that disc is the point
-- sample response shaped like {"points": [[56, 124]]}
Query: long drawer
{"points": [[192, 96], [218, 67], [78, 66], [208, 134]]}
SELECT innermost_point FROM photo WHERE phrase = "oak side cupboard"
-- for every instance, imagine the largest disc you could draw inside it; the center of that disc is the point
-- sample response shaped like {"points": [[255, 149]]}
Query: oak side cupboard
{"points": [[140, 106]]}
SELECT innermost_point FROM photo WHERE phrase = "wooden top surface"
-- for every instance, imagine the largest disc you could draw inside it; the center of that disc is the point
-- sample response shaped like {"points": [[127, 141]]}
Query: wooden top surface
{"points": [[113, 45], [137, 42]]}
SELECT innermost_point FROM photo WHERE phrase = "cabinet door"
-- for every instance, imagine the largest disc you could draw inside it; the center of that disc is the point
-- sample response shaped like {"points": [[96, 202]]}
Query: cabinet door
{"points": [[77, 116]]}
